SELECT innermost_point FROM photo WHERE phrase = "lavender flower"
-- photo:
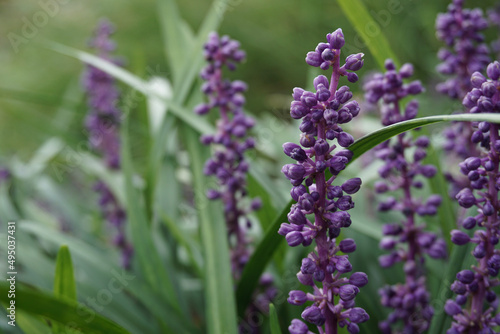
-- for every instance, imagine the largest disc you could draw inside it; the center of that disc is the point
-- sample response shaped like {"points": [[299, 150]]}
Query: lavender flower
{"points": [[407, 241], [102, 123], [321, 113], [474, 310]]}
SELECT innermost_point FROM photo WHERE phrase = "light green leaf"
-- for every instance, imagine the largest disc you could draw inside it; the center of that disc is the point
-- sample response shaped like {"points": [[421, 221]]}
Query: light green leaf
{"points": [[275, 324], [369, 29], [64, 280], [70, 314], [219, 286]]}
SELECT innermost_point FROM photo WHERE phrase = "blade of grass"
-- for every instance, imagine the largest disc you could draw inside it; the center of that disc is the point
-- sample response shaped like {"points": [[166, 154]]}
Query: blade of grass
{"points": [[219, 291], [272, 240], [65, 312], [64, 280], [365, 25], [149, 260], [274, 323]]}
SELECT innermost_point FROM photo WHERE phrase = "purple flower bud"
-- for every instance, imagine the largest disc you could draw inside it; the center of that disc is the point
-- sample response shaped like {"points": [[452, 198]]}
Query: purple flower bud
{"points": [[348, 292], [358, 315], [336, 39], [345, 203], [353, 328], [354, 62], [493, 70], [415, 88], [479, 251], [319, 275], [305, 279], [298, 110], [465, 276], [213, 194], [294, 171], [351, 186], [294, 238], [406, 70], [352, 77], [314, 59], [386, 260], [285, 228], [459, 238], [358, 279], [387, 243], [488, 209], [308, 266], [428, 170], [297, 93], [347, 245], [422, 141], [452, 308], [465, 198], [297, 297], [458, 287], [477, 79], [321, 147], [298, 327], [327, 55], [308, 99], [320, 80], [469, 223], [391, 229], [313, 315], [411, 109], [343, 265], [307, 140], [345, 139]]}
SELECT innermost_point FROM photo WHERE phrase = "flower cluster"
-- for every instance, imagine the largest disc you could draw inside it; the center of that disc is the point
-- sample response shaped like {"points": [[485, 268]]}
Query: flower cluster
{"points": [[102, 123], [406, 241], [465, 52], [460, 29], [475, 305], [319, 199], [228, 163]]}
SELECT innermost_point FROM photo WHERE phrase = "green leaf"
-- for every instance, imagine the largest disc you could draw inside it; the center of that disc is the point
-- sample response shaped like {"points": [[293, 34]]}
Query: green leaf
{"points": [[173, 42], [275, 324], [361, 19], [219, 286], [70, 314], [272, 240], [31, 324], [64, 281], [257, 263], [371, 140], [152, 267]]}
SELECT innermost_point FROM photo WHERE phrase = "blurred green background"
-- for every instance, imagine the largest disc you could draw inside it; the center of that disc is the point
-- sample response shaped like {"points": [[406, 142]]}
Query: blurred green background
{"points": [[276, 35]]}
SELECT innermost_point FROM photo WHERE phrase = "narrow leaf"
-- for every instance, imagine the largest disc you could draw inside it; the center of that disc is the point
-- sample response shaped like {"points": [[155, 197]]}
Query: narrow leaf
{"points": [[68, 313], [273, 316], [272, 239], [369, 29], [64, 281], [219, 290]]}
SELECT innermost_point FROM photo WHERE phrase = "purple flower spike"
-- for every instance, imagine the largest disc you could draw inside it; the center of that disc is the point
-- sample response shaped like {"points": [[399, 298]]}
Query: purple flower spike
{"points": [[475, 307], [228, 163], [103, 124], [321, 112], [400, 173]]}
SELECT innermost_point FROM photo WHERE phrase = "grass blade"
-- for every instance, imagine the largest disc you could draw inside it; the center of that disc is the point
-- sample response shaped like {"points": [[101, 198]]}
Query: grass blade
{"points": [[220, 304], [65, 312], [272, 240], [360, 18], [275, 325], [64, 280]]}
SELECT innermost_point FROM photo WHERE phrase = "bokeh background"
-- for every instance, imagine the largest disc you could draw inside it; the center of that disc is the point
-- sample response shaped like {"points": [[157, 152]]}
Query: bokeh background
{"points": [[276, 35]]}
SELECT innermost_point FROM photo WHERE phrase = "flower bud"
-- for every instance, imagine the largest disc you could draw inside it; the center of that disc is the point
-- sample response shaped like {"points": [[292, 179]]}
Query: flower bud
{"points": [[459, 238]]}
